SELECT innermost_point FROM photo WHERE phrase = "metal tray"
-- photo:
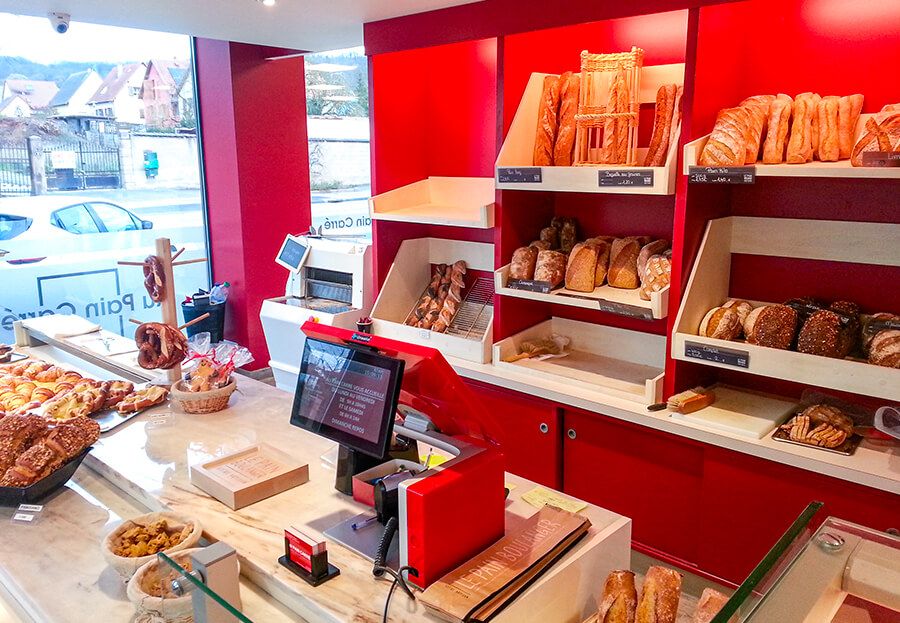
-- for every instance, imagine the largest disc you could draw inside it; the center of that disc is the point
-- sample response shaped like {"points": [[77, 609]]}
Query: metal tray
{"points": [[13, 496], [14, 357], [847, 448]]}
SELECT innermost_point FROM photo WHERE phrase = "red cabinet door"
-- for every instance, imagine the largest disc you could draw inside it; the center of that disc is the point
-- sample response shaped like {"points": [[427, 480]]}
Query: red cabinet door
{"points": [[653, 478], [530, 433]]}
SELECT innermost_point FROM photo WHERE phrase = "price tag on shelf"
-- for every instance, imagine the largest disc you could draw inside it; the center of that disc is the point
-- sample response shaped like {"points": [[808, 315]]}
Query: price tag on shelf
{"points": [[611, 307], [717, 354], [722, 175], [425, 334], [631, 177], [30, 508], [530, 285], [881, 159], [519, 175]]}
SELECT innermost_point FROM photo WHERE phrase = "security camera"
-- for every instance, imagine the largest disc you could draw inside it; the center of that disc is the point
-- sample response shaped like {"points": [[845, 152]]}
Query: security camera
{"points": [[59, 21]]}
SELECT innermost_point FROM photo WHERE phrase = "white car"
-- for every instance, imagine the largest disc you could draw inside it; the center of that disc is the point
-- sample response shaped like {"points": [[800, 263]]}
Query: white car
{"points": [[59, 254]]}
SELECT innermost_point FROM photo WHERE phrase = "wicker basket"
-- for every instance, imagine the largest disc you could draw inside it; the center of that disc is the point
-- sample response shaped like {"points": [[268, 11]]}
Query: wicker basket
{"points": [[127, 566], [202, 402]]}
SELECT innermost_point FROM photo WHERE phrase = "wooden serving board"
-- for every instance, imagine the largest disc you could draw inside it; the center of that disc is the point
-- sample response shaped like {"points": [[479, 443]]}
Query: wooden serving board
{"points": [[249, 475], [744, 413]]}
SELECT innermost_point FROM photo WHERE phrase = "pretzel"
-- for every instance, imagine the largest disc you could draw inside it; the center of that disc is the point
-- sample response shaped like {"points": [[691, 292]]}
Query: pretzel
{"points": [[154, 278]]}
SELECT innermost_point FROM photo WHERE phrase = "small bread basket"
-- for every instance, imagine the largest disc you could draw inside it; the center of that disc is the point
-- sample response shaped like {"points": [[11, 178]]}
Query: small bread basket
{"points": [[126, 566], [202, 402]]}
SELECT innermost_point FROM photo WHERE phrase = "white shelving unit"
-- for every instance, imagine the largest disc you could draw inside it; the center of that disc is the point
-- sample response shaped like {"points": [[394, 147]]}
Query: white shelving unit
{"points": [[621, 363], [605, 298], [841, 168], [408, 277], [518, 147], [708, 286], [456, 201]]}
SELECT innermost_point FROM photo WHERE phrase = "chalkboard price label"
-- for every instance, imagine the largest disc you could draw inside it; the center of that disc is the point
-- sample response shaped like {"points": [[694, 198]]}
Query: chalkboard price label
{"points": [[717, 354], [881, 159], [722, 175], [530, 285], [519, 175], [632, 177]]}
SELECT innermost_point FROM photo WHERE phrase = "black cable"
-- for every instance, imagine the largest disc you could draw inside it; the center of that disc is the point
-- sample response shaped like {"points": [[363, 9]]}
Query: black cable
{"points": [[398, 580], [387, 602], [390, 529]]}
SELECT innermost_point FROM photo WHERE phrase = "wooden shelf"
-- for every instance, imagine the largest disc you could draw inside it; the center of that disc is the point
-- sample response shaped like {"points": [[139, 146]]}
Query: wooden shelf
{"points": [[604, 298], [839, 169], [618, 362], [518, 149], [708, 286], [455, 201]]}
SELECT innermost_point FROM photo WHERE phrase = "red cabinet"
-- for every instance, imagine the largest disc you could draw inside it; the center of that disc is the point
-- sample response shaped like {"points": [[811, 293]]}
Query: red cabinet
{"points": [[530, 433], [654, 478]]}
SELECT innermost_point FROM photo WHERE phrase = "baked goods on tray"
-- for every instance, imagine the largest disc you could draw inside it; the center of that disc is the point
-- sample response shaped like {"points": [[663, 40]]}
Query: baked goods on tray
{"points": [[820, 425], [143, 399], [439, 303], [31, 448]]}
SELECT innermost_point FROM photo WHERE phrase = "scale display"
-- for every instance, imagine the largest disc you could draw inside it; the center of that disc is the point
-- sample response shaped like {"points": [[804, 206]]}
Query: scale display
{"points": [[347, 394]]}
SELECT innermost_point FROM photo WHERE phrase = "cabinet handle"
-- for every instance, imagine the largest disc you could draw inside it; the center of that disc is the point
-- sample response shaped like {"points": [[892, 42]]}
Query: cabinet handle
{"points": [[545, 428], [571, 433]]}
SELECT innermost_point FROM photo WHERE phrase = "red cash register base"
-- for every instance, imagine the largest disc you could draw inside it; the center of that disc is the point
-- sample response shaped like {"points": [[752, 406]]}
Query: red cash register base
{"points": [[451, 512]]}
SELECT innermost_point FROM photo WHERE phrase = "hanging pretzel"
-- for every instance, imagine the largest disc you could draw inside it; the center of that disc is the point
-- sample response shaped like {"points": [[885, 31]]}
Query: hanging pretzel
{"points": [[160, 346], [154, 278]]}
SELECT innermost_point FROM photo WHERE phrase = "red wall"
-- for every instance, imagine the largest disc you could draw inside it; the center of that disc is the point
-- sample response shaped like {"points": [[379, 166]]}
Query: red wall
{"points": [[256, 164]]}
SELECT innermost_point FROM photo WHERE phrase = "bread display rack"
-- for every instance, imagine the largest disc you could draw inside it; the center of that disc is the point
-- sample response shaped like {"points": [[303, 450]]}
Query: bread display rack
{"points": [[617, 362], [708, 286], [516, 154], [816, 168], [455, 201], [604, 298], [470, 335]]}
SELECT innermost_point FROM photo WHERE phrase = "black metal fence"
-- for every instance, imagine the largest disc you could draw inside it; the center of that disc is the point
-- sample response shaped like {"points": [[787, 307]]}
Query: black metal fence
{"points": [[15, 170], [77, 165]]}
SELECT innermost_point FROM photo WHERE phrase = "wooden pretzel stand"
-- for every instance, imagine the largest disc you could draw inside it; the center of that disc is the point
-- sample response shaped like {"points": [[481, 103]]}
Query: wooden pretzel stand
{"points": [[167, 302]]}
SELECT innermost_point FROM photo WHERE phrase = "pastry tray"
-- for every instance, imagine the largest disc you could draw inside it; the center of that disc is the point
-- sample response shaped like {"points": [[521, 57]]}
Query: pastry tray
{"points": [[847, 448], [109, 419], [13, 496]]}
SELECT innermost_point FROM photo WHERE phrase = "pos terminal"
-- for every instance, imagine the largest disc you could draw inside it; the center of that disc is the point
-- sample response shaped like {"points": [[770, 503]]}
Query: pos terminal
{"points": [[361, 391]]}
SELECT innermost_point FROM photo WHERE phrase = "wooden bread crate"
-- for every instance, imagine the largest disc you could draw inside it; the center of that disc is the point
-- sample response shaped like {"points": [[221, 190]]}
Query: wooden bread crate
{"points": [[456, 201], [471, 334]]}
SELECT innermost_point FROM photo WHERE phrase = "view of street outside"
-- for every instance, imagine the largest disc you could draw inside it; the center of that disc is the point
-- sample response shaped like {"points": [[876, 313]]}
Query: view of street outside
{"points": [[98, 158]]}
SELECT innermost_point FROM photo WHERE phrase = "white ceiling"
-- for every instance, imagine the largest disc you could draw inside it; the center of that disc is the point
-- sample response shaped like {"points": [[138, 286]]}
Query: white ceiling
{"points": [[316, 25]]}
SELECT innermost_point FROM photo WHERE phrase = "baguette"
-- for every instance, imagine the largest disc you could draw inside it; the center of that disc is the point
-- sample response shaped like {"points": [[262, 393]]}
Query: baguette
{"points": [[659, 596], [759, 112], [799, 149], [662, 126], [564, 148], [814, 99], [829, 141], [619, 600], [849, 108], [727, 144], [623, 124], [616, 102], [711, 601], [777, 129], [676, 119], [547, 123]]}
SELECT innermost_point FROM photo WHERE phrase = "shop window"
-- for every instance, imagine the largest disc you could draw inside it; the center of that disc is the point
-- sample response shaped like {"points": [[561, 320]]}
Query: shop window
{"points": [[337, 106], [107, 189]]}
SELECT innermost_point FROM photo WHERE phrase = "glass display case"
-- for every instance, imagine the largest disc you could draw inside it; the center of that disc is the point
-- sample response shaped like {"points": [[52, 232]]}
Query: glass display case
{"points": [[184, 583], [839, 573]]}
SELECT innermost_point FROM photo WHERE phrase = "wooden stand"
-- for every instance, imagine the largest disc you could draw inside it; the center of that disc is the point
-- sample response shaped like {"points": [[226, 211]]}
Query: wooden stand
{"points": [[167, 303]]}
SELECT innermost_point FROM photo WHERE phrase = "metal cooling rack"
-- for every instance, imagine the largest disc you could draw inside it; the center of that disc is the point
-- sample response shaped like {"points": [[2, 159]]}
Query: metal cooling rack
{"points": [[476, 311]]}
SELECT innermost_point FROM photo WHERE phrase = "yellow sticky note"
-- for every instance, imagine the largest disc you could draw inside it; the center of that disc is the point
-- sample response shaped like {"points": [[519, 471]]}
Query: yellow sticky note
{"points": [[539, 497], [509, 485], [434, 461]]}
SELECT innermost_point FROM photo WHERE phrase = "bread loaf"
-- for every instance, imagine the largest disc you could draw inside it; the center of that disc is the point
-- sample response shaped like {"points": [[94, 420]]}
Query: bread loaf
{"points": [[800, 147], [676, 117], [711, 602], [884, 349], [568, 234], [721, 323], [540, 245], [777, 128], [564, 148], [821, 335], [758, 105], [881, 135], [581, 268], [815, 98], [603, 246], [523, 262], [659, 596], [657, 275], [851, 327], [619, 600], [550, 267], [615, 129], [727, 144], [647, 251], [849, 108], [875, 324], [773, 326], [743, 308], [623, 263], [550, 235], [829, 135], [547, 123], [662, 125]]}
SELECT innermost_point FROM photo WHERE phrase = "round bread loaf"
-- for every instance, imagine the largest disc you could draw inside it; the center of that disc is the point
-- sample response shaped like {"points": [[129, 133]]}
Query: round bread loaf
{"points": [[884, 350], [875, 324], [523, 262], [742, 307], [827, 414], [773, 326], [721, 323], [821, 335]]}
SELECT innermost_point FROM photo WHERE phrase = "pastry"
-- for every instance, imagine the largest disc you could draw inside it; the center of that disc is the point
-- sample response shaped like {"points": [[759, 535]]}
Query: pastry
{"points": [[711, 602], [568, 234], [821, 335], [154, 278], [820, 425], [17, 432], [523, 262], [143, 399], [582, 268], [758, 105], [883, 135], [619, 601], [773, 326], [662, 126], [564, 148], [603, 246], [547, 122], [657, 275], [653, 248], [800, 147], [659, 596], [550, 267], [777, 127], [721, 323], [550, 235], [884, 349], [849, 108], [623, 263], [742, 307], [829, 140], [727, 144]]}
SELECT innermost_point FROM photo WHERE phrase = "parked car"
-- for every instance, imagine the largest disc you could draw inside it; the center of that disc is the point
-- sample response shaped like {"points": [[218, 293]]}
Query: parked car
{"points": [[46, 217]]}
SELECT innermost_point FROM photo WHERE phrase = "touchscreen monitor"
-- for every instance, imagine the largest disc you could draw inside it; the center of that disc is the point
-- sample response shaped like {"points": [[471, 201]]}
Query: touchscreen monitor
{"points": [[348, 394]]}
